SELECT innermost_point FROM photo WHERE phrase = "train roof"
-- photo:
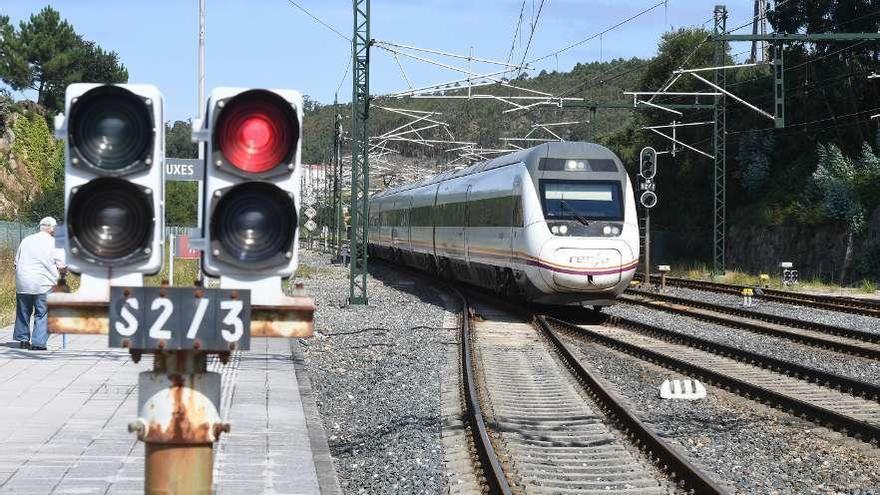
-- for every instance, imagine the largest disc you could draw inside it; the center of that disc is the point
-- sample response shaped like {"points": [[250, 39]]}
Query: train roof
{"points": [[562, 149]]}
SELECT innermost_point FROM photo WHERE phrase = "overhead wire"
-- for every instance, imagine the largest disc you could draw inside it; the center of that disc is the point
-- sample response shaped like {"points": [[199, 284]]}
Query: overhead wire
{"points": [[594, 36], [348, 65], [727, 31], [532, 33], [516, 31], [319, 21]]}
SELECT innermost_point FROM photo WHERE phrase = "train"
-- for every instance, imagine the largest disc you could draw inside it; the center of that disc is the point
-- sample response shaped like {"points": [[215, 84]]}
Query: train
{"points": [[554, 224]]}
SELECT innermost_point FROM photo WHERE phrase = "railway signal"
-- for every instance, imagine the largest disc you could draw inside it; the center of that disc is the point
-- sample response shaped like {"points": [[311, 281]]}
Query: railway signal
{"points": [[648, 170], [648, 199], [252, 168], [114, 147]]}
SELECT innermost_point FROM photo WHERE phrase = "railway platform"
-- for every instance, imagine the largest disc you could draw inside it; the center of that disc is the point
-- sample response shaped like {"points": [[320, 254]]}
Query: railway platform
{"points": [[64, 416]]}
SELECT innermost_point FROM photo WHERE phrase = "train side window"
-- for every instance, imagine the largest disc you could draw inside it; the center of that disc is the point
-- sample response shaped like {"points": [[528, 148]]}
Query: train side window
{"points": [[517, 211]]}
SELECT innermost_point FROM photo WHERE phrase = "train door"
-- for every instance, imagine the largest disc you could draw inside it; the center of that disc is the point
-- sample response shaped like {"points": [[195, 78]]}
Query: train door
{"points": [[409, 223], [435, 221], [393, 221], [516, 217], [467, 225]]}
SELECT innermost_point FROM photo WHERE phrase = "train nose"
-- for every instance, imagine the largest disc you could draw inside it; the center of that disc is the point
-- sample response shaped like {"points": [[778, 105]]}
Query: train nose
{"points": [[586, 269]]}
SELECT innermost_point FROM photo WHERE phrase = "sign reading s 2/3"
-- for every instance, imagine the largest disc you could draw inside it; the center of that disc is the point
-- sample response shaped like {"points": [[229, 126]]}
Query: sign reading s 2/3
{"points": [[180, 318]]}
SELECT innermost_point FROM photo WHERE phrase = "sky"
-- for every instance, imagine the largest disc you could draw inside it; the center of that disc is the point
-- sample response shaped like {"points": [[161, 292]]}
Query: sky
{"points": [[271, 43]]}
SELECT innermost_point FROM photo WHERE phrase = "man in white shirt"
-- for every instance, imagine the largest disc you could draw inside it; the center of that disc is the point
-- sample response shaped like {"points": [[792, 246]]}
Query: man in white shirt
{"points": [[36, 272]]}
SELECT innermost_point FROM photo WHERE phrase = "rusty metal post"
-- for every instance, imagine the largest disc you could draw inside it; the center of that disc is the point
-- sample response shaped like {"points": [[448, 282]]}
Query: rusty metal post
{"points": [[179, 420]]}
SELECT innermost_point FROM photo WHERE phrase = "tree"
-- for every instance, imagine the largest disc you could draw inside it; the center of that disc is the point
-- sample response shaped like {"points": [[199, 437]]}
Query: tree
{"points": [[755, 149], [181, 198], [46, 55], [178, 140], [846, 186]]}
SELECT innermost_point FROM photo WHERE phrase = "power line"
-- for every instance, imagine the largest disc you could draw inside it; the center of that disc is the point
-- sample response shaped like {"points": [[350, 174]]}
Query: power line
{"points": [[853, 115], [594, 36], [532, 33], [344, 75], [319, 21], [516, 31], [691, 54], [798, 66]]}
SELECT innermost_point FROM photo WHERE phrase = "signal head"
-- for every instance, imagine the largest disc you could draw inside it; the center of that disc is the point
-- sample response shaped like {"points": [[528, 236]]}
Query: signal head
{"points": [[253, 226], [111, 131], [110, 221], [648, 199], [648, 163], [255, 135], [251, 182], [114, 178]]}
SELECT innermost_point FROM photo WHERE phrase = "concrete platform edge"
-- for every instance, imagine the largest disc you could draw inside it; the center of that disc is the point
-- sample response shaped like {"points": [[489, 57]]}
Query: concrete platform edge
{"points": [[327, 479]]}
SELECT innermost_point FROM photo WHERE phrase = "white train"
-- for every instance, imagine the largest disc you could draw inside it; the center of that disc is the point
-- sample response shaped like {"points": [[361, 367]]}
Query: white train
{"points": [[553, 224]]}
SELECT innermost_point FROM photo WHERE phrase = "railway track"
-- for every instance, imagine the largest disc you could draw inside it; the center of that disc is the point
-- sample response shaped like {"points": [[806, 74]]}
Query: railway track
{"points": [[833, 303], [767, 380], [535, 432], [841, 339]]}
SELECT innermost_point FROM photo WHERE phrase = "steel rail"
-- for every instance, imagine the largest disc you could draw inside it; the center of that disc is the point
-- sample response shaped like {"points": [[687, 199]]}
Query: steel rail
{"points": [[833, 303], [852, 386], [491, 465], [862, 348], [841, 422], [678, 466], [850, 333]]}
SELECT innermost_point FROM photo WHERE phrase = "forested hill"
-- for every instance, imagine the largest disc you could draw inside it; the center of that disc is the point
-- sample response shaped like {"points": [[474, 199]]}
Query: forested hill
{"points": [[482, 121]]}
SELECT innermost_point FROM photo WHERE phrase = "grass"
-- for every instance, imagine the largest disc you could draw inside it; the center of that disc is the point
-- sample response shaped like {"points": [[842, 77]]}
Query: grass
{"points": [[305, 271], [7, 287], [738, 277], [185, 273]]}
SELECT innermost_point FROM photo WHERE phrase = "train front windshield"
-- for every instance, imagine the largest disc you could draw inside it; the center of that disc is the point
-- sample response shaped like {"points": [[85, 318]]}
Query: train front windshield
{"points": [[580, 200]]}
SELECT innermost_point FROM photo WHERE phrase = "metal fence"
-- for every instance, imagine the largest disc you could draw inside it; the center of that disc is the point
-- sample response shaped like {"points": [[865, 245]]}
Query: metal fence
{"points": [[11, 233]]}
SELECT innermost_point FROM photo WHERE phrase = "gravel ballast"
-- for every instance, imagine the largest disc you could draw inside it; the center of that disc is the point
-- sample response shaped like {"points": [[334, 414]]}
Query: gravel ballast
{"points": [[756, 449], [826, 317], [867, 370], [376, 371]]}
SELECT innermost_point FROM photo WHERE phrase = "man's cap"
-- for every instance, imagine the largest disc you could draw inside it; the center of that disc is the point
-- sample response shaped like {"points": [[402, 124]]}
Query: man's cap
{"points": [[48, 222]]}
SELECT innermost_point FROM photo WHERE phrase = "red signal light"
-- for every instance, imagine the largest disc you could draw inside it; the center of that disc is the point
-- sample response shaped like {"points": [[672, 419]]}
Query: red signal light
{"points": [[257, 131]]}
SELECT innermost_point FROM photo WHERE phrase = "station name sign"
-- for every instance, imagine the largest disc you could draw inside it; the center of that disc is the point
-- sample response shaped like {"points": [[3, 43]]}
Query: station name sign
{"points": [[184, 169]]}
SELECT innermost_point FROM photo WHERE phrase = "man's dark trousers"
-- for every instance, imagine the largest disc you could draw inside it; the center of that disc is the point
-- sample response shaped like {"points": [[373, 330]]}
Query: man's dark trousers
{"points": [[27, 304]]}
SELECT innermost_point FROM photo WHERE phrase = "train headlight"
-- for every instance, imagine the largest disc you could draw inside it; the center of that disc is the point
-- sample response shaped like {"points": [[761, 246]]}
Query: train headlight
{"points": [[563, 229], [575, 165], [554, 229], [610, 230]]}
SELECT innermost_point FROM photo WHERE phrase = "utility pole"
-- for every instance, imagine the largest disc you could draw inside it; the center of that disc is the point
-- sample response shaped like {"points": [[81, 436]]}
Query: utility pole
{"points": [[360, 146], [720, 139], [759, 27], [876, 117], [337, 172], [201, 99]]}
